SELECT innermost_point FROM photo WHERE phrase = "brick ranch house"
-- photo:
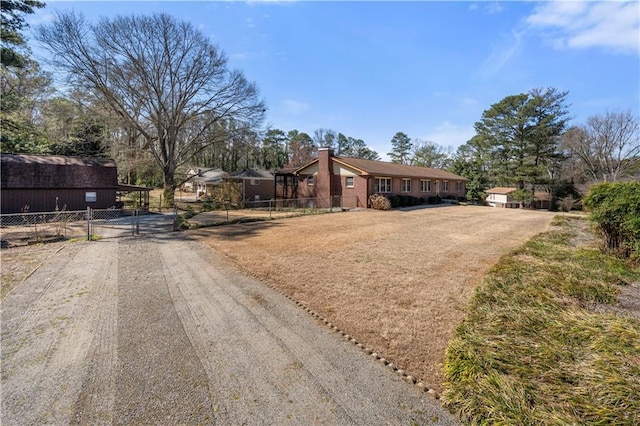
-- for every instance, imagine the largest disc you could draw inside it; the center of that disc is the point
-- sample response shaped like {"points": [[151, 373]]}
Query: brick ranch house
{"points": [[42, 183], [254, 184], [348, 182]]}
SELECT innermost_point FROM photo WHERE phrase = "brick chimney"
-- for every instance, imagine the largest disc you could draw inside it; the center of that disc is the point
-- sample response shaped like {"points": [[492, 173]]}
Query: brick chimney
{"points": [[324, 181]]}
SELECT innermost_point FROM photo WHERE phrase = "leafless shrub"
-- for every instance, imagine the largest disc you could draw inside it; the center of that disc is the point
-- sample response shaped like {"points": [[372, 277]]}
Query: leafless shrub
{"points": [[379, 202]]}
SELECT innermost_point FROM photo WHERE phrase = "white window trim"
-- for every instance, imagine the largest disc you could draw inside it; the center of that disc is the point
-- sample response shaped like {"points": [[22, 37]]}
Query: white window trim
{"points": [[378, 179], [402, 188], [346, 182], [427, 185]]}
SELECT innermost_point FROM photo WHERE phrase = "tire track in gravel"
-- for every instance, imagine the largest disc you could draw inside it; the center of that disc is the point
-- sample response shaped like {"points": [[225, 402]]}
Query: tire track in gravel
{"points": [[159, 330], [269, 363], [44, 350], [159, 379]]}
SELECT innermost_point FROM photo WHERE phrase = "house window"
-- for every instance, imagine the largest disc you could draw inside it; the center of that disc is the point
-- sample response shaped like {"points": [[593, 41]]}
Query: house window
{"points": [[348, 181], [383, 185], [310, 181], [90, 197], [459, 186], [445, 186], [255, 182], [406, 185], [425, 185]]}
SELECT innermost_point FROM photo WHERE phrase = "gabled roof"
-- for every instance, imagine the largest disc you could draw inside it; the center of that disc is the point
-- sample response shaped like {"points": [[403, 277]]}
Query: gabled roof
{"points": [[500, 190], [503, 190], [252, 174], [387, 169], [56, 160], [211, 176], [29, 171], [383, 168]]}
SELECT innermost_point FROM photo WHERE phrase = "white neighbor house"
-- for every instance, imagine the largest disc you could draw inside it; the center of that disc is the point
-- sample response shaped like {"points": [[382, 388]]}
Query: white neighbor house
{"points": [[501, 197]]}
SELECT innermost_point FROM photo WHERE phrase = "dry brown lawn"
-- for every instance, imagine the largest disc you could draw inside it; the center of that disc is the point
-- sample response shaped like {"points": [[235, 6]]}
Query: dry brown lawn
{"points": [[398, 281]]}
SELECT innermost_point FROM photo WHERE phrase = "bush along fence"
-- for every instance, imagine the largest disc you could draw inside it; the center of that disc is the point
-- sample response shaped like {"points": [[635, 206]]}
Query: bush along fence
{"points": [[32, 228]]}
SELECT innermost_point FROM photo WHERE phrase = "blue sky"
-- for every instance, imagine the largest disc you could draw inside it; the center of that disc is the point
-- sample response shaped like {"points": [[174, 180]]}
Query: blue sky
{"points": [[429, 69]]}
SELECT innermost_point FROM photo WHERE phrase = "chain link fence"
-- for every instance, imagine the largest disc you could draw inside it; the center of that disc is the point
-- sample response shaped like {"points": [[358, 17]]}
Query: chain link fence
{"points": [[21, 229], [32, 228], [247, 211]]}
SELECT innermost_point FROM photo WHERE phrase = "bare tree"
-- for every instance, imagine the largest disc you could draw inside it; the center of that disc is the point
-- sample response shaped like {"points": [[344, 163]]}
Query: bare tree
{"points": [[608, 146], [430, 154], [325, 138], [162, 76]]}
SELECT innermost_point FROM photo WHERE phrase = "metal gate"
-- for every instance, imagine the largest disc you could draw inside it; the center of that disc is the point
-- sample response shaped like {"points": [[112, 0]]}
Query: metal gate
{"points": [[33, 228], [122, 223]]}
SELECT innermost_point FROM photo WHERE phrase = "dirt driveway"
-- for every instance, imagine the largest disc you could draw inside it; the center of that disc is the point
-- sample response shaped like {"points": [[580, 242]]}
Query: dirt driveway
{"points": [[159, 330], [397, 280]]}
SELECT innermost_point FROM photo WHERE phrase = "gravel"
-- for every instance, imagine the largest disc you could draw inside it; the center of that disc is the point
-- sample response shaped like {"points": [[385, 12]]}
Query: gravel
{"points": [[158, 329]]}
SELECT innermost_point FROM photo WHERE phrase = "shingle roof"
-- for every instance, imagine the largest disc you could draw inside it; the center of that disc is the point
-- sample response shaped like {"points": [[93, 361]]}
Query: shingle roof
{"points": [[211, 176], [504, 190], [57, 160], [500, 190], [383, 168], [252, 173]]}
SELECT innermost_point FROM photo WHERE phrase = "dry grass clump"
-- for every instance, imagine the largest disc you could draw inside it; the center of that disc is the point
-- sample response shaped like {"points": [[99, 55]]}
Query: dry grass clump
{"points": [[532, 351]]}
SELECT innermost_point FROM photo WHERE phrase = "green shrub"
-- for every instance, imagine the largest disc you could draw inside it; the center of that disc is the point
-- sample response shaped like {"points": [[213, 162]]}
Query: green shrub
{"points": [[207, 203], [395, 200], [615, 209]]}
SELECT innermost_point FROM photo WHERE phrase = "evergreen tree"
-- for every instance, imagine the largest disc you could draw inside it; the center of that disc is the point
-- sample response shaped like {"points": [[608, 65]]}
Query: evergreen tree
{"points": [[524, 132], [401, 149]]}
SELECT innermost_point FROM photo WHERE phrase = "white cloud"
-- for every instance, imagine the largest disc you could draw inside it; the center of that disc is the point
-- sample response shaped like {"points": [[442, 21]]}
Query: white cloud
{"points": [[493, 7], [614, 26], [294, 107], [501, 53], [450, 134], [487, 7]]}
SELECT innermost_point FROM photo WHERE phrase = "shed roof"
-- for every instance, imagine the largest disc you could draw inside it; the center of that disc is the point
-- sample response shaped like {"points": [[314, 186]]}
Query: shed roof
{"points": [[58, 160], [56, 171]]}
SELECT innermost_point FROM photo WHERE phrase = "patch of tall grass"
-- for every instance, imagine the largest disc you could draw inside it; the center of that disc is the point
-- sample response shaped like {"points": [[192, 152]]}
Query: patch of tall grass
{"points": [[533, 350]]}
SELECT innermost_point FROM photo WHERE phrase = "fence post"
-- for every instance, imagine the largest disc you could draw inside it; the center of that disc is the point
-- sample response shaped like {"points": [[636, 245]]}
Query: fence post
{"points": [[88, 223], [175, 217], [137, 221], [270, 203]]}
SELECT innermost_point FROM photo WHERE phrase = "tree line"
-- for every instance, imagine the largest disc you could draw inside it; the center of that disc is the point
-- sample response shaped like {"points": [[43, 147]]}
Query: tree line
{"points": [[525, 141], [156, 95]]}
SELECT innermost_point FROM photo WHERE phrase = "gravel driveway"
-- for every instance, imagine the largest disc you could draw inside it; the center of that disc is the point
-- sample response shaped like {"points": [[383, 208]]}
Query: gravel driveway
{"points": [[158, 329]]}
